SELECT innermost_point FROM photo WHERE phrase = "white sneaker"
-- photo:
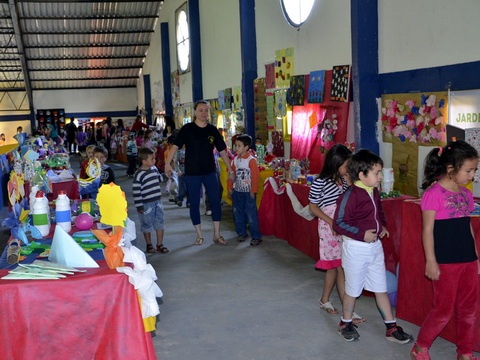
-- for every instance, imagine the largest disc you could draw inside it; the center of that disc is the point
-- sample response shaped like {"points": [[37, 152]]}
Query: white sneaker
{"points": [[208, 212]]}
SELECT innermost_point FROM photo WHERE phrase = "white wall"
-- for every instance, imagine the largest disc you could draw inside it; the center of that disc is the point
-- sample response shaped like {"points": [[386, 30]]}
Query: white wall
{"points": [[428, 33], [91, 100]]}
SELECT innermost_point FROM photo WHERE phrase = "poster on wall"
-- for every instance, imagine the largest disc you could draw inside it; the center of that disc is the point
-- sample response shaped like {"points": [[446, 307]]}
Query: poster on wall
{"points": [[260, 108], [221, 99], [269, 98], [296, 92], [464, 108], [340, 83], [228, 98], [316, 87], [237, 97], [175, 83], [284, 68], [410, 121], [270, 76]]}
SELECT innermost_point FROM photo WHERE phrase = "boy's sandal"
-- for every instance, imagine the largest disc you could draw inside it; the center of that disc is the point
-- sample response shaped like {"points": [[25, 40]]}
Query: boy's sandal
{"points": [[150, 248], [328, 307], [162, 249], [220, 241], [357, 319], [198, 241]]}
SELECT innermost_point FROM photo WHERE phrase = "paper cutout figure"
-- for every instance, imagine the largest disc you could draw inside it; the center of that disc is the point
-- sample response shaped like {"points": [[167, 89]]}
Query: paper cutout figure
{"points": [[113, 205], [66, 251]]}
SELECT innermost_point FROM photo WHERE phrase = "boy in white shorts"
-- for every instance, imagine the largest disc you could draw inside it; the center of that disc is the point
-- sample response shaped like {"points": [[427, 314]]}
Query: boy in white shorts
{"points": [[359, 218]]}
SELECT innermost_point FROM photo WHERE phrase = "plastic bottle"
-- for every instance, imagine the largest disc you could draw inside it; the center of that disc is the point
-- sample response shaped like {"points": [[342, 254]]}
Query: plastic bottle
{"points": [[40, 210], [63, 211], [33, 193]]}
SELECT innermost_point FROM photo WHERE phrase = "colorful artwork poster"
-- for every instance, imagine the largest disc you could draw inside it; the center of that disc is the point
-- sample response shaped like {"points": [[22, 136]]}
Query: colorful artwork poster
{"points": [[280, 103], [228, 98], [316, 87], [409, 121], [340, 83], [296, 92], [472, 136], [237, 97], [175, 84], [270, 76], [221, 99], [284, 68], [270, 111], [260, 107]]}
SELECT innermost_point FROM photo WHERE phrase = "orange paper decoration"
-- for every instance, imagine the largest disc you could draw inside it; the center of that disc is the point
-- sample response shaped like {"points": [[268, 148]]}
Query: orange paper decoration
{"points": [[113, 252]]}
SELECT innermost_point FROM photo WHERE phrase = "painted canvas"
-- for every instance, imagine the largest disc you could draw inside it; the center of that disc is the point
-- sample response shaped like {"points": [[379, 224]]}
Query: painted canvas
{"points": [[340, 83], [316, 87], [284, 67], [296, 92]]}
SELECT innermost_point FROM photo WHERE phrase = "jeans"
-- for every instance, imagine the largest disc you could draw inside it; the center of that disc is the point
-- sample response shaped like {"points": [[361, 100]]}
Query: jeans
{"points": [[194, 187], [455, 291], [245, 209], [132, 164], [182, 189]]}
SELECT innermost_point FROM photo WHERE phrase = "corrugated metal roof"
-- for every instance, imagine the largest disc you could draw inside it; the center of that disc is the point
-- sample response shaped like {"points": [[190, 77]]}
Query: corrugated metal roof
{"points": [[74, 44]]}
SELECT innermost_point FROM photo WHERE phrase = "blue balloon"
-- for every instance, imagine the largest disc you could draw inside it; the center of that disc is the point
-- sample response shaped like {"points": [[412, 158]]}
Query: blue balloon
{"points": [[392, 283], [393, 298]]}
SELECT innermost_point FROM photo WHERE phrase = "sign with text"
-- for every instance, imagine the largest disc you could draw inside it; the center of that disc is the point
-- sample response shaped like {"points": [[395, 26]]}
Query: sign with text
{"points": [[465, 109]]}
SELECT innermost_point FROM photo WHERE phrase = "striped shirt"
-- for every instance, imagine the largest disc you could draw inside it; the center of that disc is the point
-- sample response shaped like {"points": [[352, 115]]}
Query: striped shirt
{"points": [[146, 186], [325, 192]]}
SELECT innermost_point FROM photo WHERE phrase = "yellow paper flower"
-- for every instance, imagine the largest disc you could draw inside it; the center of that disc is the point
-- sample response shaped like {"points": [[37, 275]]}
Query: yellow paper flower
{"points": [[113, 205], [15, 187]]}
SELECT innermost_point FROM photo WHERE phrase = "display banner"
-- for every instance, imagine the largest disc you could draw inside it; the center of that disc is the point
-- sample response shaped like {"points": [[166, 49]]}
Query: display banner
{"points": [[465, 109]]}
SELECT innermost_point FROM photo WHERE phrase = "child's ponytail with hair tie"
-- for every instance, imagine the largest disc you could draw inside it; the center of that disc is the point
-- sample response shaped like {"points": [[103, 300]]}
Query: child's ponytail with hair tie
{"points": [[440, 151]]}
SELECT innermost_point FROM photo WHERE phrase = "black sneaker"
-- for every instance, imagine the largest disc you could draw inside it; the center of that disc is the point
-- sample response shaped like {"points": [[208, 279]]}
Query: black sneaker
{"points": [[348, 331], [397, 335], [255, 242], [241, 238]]}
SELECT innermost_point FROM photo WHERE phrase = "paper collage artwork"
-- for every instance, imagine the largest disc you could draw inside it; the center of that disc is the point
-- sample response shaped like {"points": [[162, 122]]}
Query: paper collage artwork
{"points": [[284, 67], [316, 86], [296, 92], [340, 83]]}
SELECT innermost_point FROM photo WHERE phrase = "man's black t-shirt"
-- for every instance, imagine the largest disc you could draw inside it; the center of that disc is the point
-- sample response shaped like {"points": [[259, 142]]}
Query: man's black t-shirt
{"points": [[199, 144]]}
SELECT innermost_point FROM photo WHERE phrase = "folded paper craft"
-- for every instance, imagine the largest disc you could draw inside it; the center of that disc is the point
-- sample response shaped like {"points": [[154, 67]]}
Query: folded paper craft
{"points": [[66, 251]]}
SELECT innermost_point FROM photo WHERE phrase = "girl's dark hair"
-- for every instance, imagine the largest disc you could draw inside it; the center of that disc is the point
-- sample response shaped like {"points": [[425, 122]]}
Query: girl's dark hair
{"points": [[335, 158], [362, 161], [439, 159]]}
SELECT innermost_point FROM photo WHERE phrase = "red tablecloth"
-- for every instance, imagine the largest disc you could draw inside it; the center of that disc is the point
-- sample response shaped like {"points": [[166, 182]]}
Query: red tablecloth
{"points": [[277, 217], [415, 293], [69, 186], [92, 315]]}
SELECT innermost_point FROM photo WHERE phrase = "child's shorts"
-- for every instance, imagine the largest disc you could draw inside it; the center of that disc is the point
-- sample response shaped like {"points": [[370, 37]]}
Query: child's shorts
{"points": [[364, 267], [152, 217]]}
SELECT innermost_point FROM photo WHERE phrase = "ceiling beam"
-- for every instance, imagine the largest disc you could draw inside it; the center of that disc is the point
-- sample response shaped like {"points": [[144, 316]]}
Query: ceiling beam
{"points": [[21, 52], [87, 58], [63, 46]]}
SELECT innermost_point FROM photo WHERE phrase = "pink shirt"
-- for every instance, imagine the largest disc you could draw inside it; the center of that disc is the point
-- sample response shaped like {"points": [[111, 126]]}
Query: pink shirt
{"points": [[447, 204]]}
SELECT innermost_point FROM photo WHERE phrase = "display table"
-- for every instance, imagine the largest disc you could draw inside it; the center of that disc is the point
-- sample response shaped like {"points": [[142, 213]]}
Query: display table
{"points": [[91, 315], [277, 217], [70, 186], [415, 293], [264, 174]]}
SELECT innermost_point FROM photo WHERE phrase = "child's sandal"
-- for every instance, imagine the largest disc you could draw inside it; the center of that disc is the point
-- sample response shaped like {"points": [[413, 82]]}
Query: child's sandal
{"points": [[150, 249], [162, 249]]}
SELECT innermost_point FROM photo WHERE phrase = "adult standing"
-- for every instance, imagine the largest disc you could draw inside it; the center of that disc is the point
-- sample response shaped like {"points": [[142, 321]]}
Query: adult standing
{"points": [[200, 138], [138, 124], [71, 131]]}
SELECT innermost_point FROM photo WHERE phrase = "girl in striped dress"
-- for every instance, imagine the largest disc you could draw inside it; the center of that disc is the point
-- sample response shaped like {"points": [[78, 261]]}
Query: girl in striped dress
{"points": [[325, 190]]}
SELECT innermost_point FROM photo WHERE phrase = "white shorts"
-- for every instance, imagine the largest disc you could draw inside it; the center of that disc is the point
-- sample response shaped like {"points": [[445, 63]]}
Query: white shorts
{"points": [[364, 266]]}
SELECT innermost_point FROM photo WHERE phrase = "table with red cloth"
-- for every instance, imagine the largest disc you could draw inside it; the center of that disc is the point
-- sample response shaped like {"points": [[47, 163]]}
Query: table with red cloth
{"points": [[90, 315], [415, 293], [277, 217], [70, 186]]}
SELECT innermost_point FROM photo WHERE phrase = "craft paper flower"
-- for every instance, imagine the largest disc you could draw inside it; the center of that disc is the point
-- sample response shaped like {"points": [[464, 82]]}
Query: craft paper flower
{"points": [[113, 251], [112, 204], [422, 124]]}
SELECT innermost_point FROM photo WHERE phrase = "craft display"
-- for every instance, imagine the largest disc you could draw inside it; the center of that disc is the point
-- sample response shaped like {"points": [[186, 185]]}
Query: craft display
{"points": [[63, 214], [296, 92], [316, 86], [284, 67], [340, 83]]}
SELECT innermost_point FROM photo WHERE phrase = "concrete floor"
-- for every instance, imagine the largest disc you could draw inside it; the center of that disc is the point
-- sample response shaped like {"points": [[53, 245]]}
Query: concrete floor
{"points": [[242, 302]]}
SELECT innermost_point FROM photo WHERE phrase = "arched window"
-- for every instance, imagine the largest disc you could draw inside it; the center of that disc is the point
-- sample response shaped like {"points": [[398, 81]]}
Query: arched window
{"points": [[296, 11], [183, 39]]}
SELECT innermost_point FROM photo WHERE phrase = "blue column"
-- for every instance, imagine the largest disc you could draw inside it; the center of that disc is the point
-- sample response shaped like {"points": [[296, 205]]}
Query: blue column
{"points": [[166, 69], [365, 79], [195, 50], [248, 42], [147, 92]]}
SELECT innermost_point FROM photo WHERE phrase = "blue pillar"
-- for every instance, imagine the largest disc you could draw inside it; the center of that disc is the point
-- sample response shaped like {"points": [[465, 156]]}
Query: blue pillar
{"points": [[166, 69], [147, 92], [248, 42], [195, 50], [365, 79]]}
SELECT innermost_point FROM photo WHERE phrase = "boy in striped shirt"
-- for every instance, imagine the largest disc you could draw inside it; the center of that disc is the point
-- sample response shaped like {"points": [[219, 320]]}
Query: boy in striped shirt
{"points": [[147, 198]]}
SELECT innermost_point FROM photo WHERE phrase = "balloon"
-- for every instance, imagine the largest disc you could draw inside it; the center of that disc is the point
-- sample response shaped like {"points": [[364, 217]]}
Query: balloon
{"points": [[392, 283], [84, 221], [393, 298]]}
